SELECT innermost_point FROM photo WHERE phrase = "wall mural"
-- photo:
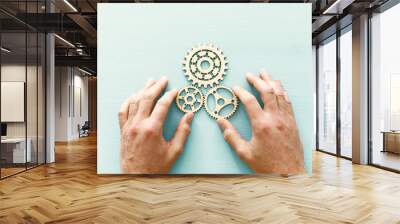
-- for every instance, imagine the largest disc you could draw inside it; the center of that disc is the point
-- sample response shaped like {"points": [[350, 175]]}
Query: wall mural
{"points": [[142, 42]]}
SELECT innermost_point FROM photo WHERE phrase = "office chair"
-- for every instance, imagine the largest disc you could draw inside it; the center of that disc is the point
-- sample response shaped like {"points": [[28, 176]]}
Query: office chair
{"points": [[84, 130]]}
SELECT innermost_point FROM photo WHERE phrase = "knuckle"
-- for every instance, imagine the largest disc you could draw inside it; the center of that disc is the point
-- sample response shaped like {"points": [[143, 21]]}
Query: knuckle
{"points": [[134, 101], [263, 89], [262, 86], [249, 99], [133, 130], [185, 128], [280, 125], [262, 127], [150, 130], [163, 102], [148, 96], [268, 90], [269, 87], [227, 135]]}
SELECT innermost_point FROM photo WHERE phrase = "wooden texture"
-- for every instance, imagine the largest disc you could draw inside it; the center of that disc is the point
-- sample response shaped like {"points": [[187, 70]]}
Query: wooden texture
{"points": [[70, 191], [391, 142], [92, 100]]}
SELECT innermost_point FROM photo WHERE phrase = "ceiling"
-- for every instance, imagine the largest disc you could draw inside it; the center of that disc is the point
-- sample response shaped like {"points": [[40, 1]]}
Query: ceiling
{"points": [[76, 21]]}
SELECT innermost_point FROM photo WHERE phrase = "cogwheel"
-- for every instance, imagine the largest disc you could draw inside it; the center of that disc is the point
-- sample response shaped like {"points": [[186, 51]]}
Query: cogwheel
{"points": [[205, 65], [189, 98], [220, 102]]}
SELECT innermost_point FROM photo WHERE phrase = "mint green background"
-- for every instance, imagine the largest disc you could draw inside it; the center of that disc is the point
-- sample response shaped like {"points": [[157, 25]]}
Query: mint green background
{"points": [[141, 41]]}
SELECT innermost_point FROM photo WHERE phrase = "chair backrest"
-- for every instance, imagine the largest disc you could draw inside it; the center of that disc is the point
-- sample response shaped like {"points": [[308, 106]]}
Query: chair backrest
{"points": [[86, 125]]}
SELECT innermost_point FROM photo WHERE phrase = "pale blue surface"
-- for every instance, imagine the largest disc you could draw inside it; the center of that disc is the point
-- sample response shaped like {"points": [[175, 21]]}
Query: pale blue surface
{"points": [[141, 41]]}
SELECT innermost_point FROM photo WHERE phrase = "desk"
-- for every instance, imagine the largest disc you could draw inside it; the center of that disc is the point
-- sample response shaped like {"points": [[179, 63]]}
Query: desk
{"points": [[391, 141], [15, 148]]}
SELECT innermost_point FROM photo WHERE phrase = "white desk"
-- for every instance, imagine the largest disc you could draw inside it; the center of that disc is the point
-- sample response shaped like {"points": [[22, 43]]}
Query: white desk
{"points": [[19, 149]]}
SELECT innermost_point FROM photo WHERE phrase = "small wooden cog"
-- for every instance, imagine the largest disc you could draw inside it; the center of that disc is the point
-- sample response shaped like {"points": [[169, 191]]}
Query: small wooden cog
{"points": [[220, 102], [189, 99]]}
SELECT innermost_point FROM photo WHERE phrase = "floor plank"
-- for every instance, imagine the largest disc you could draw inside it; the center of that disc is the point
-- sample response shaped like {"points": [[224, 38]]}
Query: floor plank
{"points": [[70, 191]]}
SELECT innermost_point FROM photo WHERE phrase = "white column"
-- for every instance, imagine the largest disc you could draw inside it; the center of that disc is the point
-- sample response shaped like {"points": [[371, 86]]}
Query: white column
{"points": [[50, 92], [360, 90]]}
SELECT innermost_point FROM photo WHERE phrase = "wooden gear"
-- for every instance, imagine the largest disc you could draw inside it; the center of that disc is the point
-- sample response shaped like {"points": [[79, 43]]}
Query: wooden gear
{"points": [[220, 102], [189, 99], [205, 66]]}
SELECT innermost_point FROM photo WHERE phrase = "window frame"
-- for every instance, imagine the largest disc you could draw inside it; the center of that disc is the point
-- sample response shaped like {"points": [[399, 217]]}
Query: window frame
{"points": [[334, 37]]}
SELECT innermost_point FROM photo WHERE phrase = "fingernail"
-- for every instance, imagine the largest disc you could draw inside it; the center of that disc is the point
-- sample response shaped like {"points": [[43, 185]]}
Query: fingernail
{"points": [[164, 78], [263, 71], [248, 74], [236, 88]]}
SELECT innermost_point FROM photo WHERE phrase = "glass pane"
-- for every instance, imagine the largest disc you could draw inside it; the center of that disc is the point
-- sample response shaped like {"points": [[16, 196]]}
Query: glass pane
{"points": [[41, 98], [346, 94], [32, 95], [327, 97], [13, 89], [386, 89]]}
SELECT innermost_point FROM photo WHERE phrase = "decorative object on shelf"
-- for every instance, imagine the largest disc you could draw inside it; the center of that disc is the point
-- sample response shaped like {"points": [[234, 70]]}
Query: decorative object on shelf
{"points": [[189, 99]]}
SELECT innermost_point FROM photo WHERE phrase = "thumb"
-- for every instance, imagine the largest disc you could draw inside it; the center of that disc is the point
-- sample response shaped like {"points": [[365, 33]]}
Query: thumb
{"points": [[181, 134], [233, 137]]}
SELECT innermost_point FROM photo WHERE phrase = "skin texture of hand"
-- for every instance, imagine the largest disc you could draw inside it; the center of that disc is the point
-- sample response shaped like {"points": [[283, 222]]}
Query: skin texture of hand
{"points": [[143, 147], [275, 146]]}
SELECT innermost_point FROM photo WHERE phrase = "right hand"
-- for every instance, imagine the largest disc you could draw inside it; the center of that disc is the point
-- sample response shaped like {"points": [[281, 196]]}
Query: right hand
{"points": [[275, 146]]}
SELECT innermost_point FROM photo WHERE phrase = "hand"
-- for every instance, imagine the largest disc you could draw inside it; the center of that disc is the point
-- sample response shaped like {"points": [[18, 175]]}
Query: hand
{"points": [[143, 147], [275, 146]]}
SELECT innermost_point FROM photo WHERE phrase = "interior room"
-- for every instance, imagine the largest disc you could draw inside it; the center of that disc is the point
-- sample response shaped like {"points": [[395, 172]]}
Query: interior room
{"points": [[49, 156], [22, 101]]}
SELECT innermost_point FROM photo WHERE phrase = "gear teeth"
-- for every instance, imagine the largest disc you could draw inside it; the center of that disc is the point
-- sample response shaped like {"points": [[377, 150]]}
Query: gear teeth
{"points": [[229, 102], [191, 71], [215, 78], [192, 104]]}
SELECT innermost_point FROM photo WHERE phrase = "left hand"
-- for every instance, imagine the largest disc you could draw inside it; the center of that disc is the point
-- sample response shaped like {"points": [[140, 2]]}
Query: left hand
{"points": [[143, 147]]}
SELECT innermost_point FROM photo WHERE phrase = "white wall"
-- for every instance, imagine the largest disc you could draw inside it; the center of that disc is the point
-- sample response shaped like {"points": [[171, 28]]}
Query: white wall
{"points": [[61, 103], [80, 110], [33, 127], [16, 73], [71, 102], [12, 73]]}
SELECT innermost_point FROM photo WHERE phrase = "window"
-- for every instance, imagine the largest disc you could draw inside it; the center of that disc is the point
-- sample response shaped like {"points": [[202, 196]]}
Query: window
{"points": [[22, 78], [385, 89], [346, 93], [327, 96]]}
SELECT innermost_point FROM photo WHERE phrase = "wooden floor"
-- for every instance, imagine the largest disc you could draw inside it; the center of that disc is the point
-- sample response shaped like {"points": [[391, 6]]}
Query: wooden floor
{"points": [[70, 191], [387, 159], [5, 172]]}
